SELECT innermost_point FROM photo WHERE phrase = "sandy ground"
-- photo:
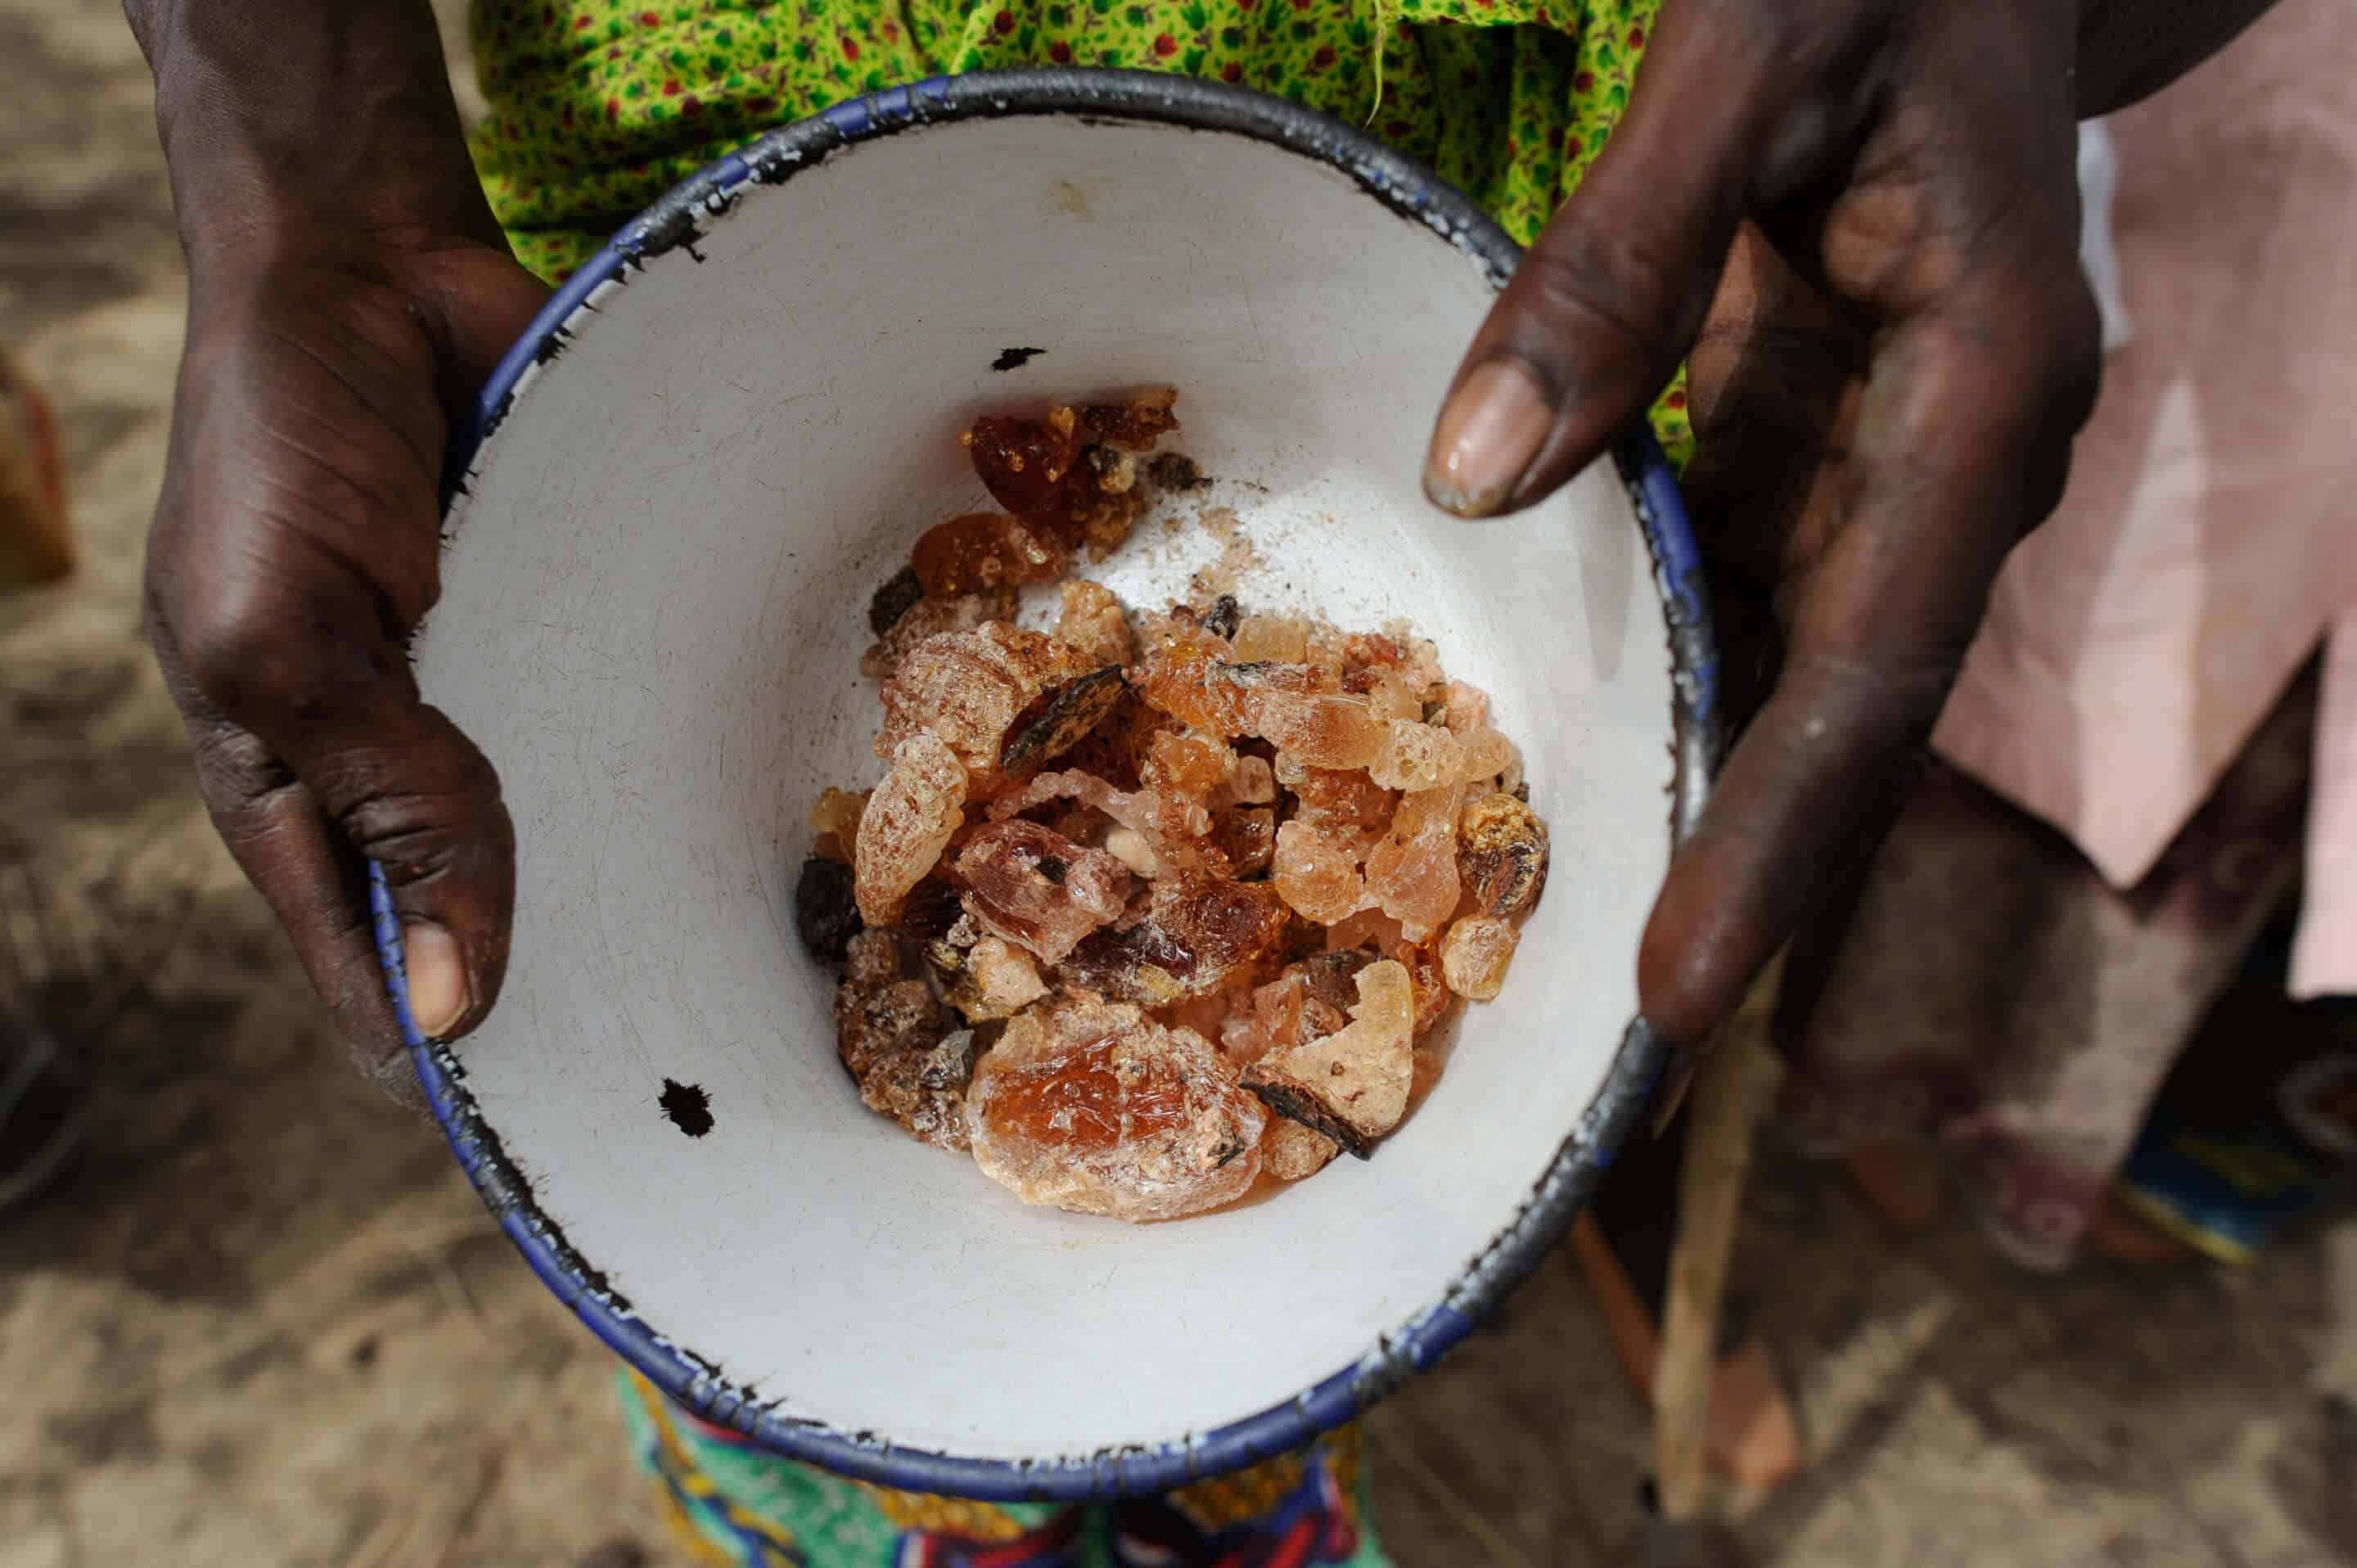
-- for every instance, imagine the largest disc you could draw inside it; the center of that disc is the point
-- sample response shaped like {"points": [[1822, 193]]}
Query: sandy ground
{"points": [[263, 1322]]}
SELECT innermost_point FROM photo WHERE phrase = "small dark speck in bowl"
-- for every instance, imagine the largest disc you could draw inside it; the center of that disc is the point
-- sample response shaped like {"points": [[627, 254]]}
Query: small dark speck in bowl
{"points": [[688, 1106]]}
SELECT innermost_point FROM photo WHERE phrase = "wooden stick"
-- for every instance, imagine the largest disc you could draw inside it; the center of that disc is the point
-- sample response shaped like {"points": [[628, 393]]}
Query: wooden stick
{"points": [[36, 538], [1733, 1090]]}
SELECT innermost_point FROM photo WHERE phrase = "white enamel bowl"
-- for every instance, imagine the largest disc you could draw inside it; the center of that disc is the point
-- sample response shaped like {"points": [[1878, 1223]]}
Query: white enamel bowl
{"points": [[683, 488]]}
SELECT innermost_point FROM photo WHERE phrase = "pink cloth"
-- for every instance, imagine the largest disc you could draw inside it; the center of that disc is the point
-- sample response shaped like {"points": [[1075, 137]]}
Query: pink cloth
{"points": [[2208, 542]]}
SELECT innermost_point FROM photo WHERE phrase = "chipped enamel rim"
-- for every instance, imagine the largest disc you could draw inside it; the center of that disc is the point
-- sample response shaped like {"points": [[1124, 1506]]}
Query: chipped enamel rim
{"points": [[698, 1386]]}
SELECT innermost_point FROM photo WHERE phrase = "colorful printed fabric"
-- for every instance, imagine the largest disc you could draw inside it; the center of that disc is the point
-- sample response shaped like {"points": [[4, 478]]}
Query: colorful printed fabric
{"points": [[599, 106], [732, 1506]]}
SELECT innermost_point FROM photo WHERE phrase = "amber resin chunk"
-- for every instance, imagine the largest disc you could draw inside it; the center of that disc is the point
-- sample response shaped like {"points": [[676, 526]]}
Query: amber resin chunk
{"points": [[1094, 623], [970, 688], [1502, 853], [1292, 1151], [1475, 954], [1316, 873], [894, 1040], [993, 980], [908, 823], [985, 550], [1412, 874], [1037, 889], [1194, 937], [1091, 1107], [929, 618], [1351, 1086]]}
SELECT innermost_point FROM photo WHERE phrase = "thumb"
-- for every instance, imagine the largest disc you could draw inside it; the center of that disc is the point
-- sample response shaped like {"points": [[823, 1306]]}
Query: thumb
{"points": [[1606, 303]]}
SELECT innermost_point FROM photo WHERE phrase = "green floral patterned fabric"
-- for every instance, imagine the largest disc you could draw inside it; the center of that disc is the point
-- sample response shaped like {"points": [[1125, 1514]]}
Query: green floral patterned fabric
{"points": [[599, 106]]}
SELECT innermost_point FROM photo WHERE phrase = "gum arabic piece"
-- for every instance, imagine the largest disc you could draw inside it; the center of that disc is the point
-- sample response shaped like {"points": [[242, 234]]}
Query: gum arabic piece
{"points": [[1173, 826], [1475, 953], [1352, 1085], [877, 1009], [1465, 709], [1389, 695], [1187, 763], [1094, 1108], [825, 914], [1488, 755], [1038, 889], [1340, 800], [897, 594], [924, 1089], [1322, 730], [1254, 783], [930, 912], [1316, 874], [1094, 623], [1502, 853], [908, 823], [1056, 721], [995, 981], [969, 688], [1135, 425], [1428, 982], [1274, 639], [836, 815], [1332, 977], [1194, 937], [1102, 518], [1190, 681], [929, 618], [1129, 846], [1292, 1152], [1023, 462], [984, 550], [1245, 839], [1283, 1014], [1412, 874], [1418, 755]]}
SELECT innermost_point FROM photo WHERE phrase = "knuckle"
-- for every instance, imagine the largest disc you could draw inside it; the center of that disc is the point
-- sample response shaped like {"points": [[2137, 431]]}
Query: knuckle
{"points": [[1608, 289], [424, 820], [259, 655]]}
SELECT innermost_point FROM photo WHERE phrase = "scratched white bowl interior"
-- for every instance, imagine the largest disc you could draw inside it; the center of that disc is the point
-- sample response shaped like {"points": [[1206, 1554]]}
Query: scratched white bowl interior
{"points": [[651, 618]]}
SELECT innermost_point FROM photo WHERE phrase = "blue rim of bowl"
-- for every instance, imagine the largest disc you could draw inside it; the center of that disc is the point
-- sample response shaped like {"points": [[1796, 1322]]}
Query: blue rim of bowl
{"points": [[704, 1388]]}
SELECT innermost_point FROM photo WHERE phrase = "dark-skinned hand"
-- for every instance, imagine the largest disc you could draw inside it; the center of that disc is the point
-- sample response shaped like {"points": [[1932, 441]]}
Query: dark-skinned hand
{"points": [[1885, 398], [348, 295], [295, 547]]}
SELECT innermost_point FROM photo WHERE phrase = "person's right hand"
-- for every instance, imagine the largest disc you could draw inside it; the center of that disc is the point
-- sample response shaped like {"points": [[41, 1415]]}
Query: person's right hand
{"points": [[295, 550]]}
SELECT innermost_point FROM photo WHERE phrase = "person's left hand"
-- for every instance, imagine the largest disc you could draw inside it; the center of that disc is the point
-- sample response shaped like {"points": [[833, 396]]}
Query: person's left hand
{"points": [[1874, 439]]}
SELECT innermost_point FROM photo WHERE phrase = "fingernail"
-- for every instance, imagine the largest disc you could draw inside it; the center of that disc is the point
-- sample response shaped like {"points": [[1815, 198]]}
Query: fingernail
{"points": [[1679, 1080], [1488, 436], [437, 978]]}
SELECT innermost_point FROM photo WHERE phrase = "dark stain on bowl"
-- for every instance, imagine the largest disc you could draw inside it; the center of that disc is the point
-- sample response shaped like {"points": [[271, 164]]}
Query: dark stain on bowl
{"points": [[688, 1106]]}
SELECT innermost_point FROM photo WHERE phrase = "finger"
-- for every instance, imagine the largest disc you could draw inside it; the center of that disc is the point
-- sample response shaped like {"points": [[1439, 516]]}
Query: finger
{"points": [[1602, 307], [314, 881], [317, 886], [1963, 437], [403, 786]]}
